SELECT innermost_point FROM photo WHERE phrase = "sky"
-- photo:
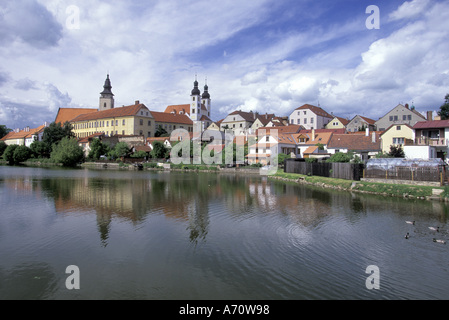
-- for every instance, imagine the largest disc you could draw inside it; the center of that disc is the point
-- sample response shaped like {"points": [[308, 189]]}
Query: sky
{"points": [[269, 56]]}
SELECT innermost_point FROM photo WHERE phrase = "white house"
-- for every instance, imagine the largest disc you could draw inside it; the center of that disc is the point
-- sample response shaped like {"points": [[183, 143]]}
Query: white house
{"points": [[310, 117]]}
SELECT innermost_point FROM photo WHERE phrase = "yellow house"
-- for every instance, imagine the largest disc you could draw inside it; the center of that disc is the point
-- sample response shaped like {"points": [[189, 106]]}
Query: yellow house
{"points": [[337, 123], [130, 120], [396, 135]]}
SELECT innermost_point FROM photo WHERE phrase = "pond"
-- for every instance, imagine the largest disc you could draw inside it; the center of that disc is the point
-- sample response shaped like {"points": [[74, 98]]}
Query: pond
{"points": [[195, 236]]}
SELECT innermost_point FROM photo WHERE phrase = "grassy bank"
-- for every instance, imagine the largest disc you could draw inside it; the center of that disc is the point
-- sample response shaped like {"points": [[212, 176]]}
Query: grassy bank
{"points": [[386, 189]]}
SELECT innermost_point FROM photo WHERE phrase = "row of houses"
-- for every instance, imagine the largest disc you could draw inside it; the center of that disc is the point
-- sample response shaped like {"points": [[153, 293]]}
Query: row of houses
{"points": [[309, 131]]}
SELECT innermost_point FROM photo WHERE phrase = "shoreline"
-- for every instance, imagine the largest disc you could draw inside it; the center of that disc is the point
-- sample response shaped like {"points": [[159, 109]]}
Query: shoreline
{"points": [[400, 190]]}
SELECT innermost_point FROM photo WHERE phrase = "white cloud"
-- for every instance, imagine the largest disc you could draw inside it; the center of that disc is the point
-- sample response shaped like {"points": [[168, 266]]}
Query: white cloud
{"points": [[409, 9]]}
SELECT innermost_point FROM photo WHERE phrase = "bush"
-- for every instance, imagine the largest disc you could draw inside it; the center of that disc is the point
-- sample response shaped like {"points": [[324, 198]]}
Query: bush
{"points": [[67, 152], [40, 149], [21, 154], [3, 147], [340, 157], [8, 154]]}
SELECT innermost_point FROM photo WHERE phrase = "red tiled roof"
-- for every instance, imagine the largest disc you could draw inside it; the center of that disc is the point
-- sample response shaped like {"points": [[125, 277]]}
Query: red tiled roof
{"points": [[317, 110], [111, 113], [67, 114], [171, 118], [354, 142], [431, 124], [184, 108]]}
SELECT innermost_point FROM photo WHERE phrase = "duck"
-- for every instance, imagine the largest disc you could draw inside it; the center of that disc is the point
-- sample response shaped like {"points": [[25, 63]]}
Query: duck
{"points": [[410, 222], [407, 235], [437, 229], [439, 241]]}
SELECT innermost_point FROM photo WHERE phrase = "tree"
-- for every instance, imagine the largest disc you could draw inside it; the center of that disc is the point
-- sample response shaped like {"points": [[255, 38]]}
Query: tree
{"points": [[55, 132], [282, 157], [340, 157], [121, 149], [8, 154], [4, 131], [40, 149], [444, 109], [3, 147], [67, 152], [159, 150], [160, 132], [21, 154], [396, 152], [98, 149]]}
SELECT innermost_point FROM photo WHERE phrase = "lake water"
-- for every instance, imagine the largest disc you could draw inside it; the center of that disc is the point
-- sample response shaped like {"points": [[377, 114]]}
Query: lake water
{"points": [[148, 235]]}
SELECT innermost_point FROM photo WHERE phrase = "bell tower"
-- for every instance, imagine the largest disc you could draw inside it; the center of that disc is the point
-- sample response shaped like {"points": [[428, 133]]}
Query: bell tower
{"points": [[195, 102], [106, 97], [206, 99]]}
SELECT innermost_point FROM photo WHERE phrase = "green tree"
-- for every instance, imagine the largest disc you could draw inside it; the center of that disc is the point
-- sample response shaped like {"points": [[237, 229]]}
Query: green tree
{"points": [[121, 149], [3, 147], [21, 154], [160, 132], [159, 150], [139, 154], [444, 109], [67, 152], [396, 152], [4, 131], [282, 157], [40, 149], [98, 149], [340, 157], [8, 154], [55, 132]]}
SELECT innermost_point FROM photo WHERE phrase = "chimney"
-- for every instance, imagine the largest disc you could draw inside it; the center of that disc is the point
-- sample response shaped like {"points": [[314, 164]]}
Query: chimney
{"points": [[313, 134], [367, 132], [429, 115], [406, 105], [374, 137], [137, 102]]}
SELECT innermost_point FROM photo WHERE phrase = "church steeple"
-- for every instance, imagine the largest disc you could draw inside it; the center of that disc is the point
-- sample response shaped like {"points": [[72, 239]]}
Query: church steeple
{"points": [[107, 97]]}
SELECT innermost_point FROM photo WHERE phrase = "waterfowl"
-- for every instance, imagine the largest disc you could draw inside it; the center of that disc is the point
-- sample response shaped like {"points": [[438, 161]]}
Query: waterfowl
{"points": [[437, 229], [410, 222], [407, 235], [439, 241]]}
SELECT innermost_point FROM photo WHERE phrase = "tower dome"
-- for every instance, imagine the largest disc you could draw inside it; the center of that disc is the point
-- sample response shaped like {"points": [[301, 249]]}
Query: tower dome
{"points": [[195, 91], [206, 94]]}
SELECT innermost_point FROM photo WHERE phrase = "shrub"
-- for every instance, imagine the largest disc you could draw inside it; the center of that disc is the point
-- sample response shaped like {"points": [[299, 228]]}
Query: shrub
{"points": [[67, 152], [8, 154], [21, 154]]}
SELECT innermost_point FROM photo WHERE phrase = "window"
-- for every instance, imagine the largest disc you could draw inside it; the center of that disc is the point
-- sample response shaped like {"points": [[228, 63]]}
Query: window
{"points": [[398, 127], [149, 123], [398, 140], [116, 122], [193, 99], [141, 122], [299, 121], [299, 113], [149, 133], [107, 123], [404, 117], [395, 118], [267, 138], [305, 112], [409, 117], [311, 120], [292, 121], [123, 132], [241, 125], [391, 118], [193, 110], [305, 121]]}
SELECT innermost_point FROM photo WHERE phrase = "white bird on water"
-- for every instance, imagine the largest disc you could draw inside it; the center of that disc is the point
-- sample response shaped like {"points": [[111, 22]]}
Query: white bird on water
{"points": [[437, 229], [439, 241], [410, 222]]}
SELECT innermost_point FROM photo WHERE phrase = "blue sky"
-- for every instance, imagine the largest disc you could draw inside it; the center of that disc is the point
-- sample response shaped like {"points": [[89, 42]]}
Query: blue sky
{"points": [[260, 55]]}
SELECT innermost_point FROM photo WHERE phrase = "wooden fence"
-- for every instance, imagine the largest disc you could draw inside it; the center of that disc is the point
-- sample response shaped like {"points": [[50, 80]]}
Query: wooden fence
{"points": [[348, 171], [433, 174]]}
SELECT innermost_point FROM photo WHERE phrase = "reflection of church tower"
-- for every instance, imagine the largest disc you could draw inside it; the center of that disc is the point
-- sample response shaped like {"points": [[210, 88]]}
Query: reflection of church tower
{"points": [[195, 107], [107, 97]]}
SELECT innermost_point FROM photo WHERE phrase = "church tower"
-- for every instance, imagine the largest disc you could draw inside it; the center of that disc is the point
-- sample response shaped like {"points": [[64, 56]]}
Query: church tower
{"points": [[206, 99], [107, 97], [195, 103]]}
